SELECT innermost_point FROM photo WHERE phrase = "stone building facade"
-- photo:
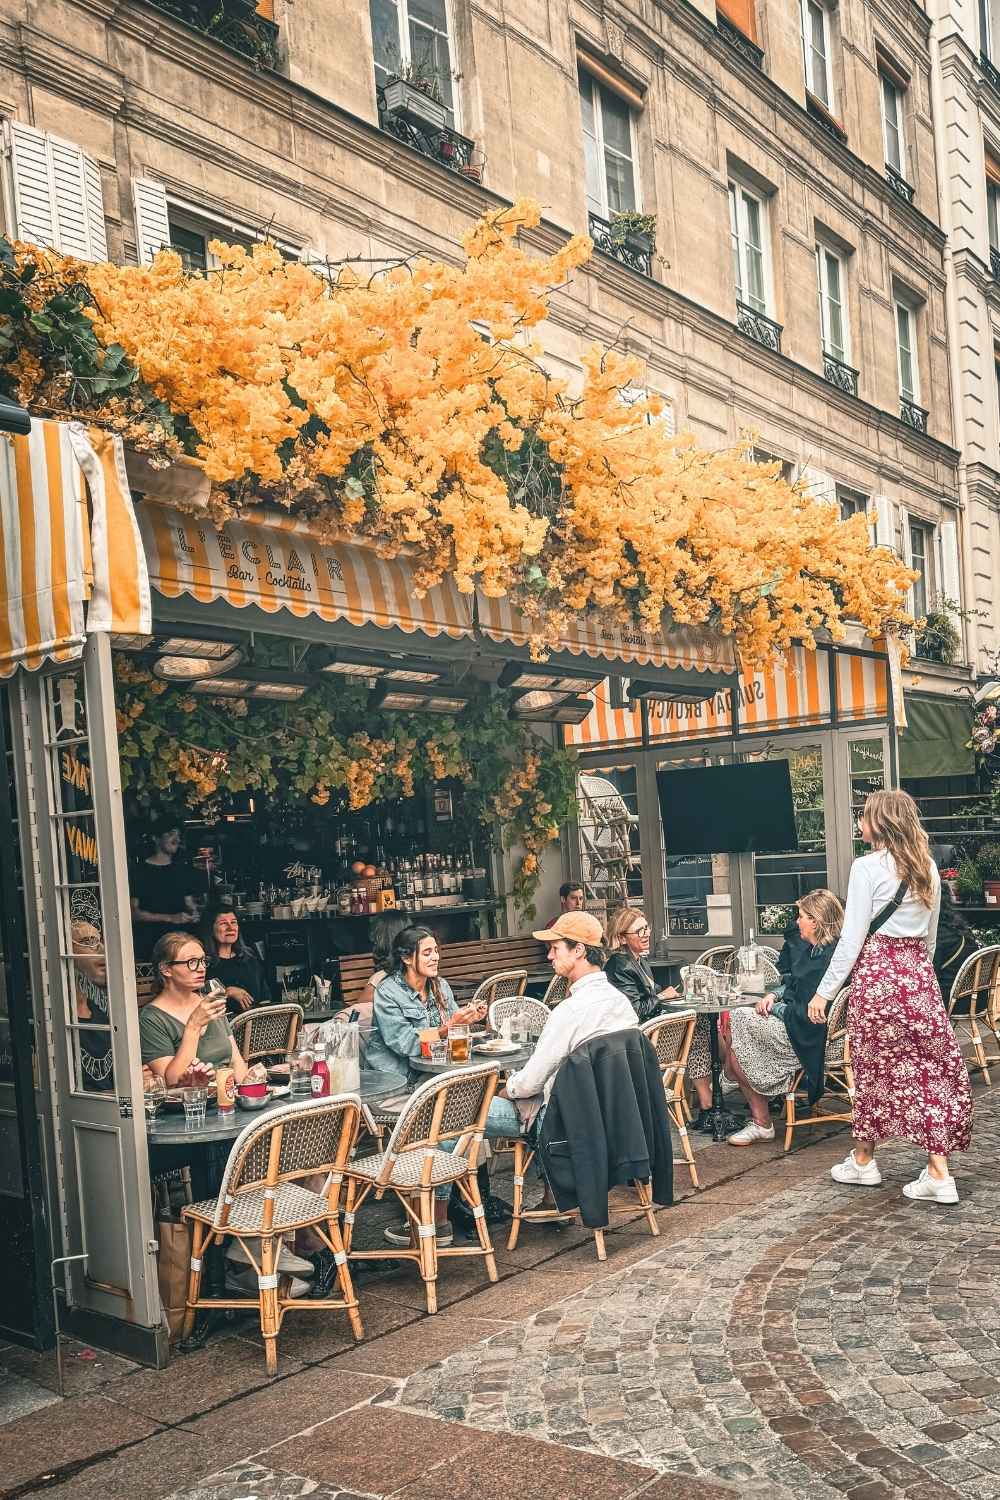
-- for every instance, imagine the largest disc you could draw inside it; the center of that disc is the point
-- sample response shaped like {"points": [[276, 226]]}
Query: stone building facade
{"points": [[797, 285]]}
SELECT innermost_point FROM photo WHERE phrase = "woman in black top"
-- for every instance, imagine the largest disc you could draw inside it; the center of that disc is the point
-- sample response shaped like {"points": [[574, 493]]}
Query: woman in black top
{"points": [[628, 967], [231, 962], [162, 885]]}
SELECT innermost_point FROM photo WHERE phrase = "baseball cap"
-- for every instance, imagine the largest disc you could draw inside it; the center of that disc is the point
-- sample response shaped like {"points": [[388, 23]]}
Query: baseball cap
{"points": [[574, 927]]}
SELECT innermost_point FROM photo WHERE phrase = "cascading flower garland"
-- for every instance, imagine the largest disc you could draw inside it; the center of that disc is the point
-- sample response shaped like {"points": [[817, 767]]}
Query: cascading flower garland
{"points": [[175, 744], [414, 408]]}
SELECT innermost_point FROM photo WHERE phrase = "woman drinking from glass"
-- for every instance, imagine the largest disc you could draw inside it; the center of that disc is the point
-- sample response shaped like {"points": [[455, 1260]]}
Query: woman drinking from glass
{"points": [[180, 1030]]}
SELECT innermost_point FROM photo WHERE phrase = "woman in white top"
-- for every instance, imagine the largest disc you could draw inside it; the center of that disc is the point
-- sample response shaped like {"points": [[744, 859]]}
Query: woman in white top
{"points": [[911, 1082]]}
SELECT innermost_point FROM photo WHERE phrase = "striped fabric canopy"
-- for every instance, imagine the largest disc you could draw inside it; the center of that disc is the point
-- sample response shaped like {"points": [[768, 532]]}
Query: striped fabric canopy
{"points": [[66, 569]]}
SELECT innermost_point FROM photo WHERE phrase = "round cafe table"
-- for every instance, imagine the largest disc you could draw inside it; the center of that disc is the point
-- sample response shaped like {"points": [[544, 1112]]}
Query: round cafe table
{"points": [[509, 1062], [722, 1122]]}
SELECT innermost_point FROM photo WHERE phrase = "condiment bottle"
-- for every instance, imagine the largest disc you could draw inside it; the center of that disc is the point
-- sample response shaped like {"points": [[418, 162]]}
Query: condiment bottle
{"points": [[320, 1078], [225, 1089]]}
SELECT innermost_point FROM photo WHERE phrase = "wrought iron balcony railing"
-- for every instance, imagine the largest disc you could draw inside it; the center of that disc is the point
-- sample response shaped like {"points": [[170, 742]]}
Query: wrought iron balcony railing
{"points": [[913, 415], [742, 44], [233, 23], [440, 143], [843, 376], [995, 263], [632, 250], [899, 185], [757, 326], [990, 73]]}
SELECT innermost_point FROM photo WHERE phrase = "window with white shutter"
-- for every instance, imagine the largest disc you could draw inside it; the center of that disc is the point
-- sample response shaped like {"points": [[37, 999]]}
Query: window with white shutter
{"points": [[152, 224], [951, 586], [58, 201]]}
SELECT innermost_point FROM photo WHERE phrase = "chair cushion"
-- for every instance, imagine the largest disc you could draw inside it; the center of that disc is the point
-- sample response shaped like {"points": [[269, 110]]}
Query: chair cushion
{"points": [[445, 1167], [292, 1205]]}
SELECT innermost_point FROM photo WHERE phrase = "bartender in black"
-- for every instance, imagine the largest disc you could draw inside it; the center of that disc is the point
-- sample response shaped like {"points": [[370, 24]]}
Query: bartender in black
{"points": [[162, 886]]}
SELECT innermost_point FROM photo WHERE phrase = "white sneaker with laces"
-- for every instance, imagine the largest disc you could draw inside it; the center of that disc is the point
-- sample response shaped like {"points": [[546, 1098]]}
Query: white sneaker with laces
{"points": [[289, 1264], [937, 1189], [751, 1134], [850, 1171]]}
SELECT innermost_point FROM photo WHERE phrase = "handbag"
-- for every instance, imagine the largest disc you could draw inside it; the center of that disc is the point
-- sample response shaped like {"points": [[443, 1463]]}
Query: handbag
{"points": [[891, 906]]}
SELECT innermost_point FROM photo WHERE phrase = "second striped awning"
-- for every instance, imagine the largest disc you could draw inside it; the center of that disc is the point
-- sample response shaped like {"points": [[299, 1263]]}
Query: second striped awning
{"points": [[279, 565]]}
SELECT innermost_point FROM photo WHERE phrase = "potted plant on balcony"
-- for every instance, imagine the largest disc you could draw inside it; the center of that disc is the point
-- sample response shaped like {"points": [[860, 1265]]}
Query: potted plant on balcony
{"points": [[414, 93], [988, 865], [637, 232], [938, 639]]}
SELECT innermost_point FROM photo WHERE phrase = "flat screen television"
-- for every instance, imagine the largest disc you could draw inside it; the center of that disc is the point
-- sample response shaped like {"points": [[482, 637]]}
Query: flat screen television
{"points": [[728, 809]]}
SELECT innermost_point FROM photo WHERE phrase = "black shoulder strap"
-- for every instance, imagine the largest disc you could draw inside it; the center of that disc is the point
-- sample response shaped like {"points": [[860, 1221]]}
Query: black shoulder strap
{"points": [[881, 917]]}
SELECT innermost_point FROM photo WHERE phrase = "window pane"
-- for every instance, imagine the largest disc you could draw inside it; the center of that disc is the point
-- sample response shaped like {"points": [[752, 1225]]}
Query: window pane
{"points": [[867, 762], [891, 119], [699, 887], [608, 825], [591, 149], [752, 211], [430, 12], [190, 246], [906, 371], [781, 879], [429, 56], [993, 215], [615, 118], [820, 86], [385, 38], [621, 182], [918, 559], [756, 294]]}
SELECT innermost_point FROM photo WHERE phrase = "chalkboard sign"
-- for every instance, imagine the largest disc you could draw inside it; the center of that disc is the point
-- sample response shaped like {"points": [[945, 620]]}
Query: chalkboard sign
{"points": [[688, 923]]}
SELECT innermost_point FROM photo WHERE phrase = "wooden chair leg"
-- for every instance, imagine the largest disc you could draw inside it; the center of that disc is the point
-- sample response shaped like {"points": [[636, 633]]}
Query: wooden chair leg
{"points": [[267, 1298], [198, 1232], [471, 1186], [789, 1118], [344, 1277], [645, 1192], [350, 1194], [521, 1159], [977, 1047], [427, 1245], [602, 1253], [677, 1114]]}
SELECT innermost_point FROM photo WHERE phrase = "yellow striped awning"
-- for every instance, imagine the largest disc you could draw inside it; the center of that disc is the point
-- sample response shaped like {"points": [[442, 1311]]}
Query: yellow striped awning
{"points": [[795, 692], [67, 569], [691, 648], [277, 564]]}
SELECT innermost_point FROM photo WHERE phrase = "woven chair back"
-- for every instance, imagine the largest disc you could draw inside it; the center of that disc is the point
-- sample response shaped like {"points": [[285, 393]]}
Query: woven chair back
{"points": [[535, 1011], [558, 990], [297, 1140], [267, 1030], [836, 1029], [671, 1038], [978, 981], [508, 983], [467, 1094], [719, 960]]}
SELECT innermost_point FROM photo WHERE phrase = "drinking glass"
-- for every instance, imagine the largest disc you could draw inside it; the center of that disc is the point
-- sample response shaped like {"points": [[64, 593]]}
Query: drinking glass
{"points": [[153, 1096], [458, 1044], [300, 1075], [214, 990], [439, 1052], [195, 1102]]}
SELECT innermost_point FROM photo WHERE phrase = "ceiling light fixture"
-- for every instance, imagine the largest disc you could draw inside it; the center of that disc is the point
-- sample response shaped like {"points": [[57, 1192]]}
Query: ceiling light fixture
{"points": [[687, 692], [419, 698], [189, 668], [517, 674], [569, 711]]}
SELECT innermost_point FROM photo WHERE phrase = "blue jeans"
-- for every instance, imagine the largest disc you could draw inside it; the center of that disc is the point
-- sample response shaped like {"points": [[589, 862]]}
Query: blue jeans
{"points": [[503, 1123]]}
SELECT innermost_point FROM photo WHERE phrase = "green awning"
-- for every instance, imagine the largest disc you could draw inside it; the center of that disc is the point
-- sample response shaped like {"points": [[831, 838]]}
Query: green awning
{"points": [[934, 741]]}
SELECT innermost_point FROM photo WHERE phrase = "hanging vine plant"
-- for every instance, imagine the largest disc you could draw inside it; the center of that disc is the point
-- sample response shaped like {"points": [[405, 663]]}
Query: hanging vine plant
{"points": [[175, 745]]}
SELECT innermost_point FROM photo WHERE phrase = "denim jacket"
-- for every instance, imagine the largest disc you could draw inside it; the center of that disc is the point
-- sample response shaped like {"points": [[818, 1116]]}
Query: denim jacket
{"points": [[400, 1015]]}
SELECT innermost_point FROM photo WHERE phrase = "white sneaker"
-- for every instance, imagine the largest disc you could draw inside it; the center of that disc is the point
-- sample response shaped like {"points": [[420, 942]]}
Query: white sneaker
{"points": [[751, 1134], [937, 1189], [728, 1085], [246, 1282], [848, 1170], [399, 1234], [289, 1264]]}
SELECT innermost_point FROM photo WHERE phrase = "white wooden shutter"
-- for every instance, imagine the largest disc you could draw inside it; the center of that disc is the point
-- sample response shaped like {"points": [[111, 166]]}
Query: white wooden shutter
{"points": [[152, 226], [951, 587], [818, 486], [907, 555], [34, 202], [58, 199], [884, 534]]}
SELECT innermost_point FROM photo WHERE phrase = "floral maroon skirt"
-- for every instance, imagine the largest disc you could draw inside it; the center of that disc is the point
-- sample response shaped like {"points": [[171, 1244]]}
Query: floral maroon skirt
{"points": [[910, 1078]]}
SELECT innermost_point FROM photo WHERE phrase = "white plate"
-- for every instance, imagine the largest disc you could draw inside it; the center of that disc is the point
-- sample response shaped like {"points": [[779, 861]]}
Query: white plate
{"points": [[498, 1049]]}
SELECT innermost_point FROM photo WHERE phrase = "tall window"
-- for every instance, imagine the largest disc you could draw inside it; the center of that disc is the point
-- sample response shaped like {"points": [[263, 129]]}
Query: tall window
{"points": [[993, 202], [985, 29], [749, 240], [852, 503], [906, 350], [920, 560], [609, 149], [411, 37], [832, 283], [815, 20], [892, 124]]}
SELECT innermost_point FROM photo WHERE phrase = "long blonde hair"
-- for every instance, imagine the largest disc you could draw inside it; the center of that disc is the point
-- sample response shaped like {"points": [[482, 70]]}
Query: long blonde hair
{"points": [[622, 923], [826, 911], [894, 824]]}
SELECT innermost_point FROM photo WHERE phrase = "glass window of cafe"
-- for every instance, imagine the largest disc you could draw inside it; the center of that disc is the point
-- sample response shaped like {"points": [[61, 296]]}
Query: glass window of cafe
{"points": [[714, 897]]}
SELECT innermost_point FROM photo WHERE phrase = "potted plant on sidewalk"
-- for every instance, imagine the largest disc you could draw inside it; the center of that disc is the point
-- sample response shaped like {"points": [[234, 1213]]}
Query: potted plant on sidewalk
{"points": [[414, 93]]}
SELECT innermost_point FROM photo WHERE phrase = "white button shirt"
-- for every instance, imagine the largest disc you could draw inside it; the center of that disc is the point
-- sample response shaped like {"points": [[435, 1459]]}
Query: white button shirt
{"points": [[872, 885], [592, 1008]]}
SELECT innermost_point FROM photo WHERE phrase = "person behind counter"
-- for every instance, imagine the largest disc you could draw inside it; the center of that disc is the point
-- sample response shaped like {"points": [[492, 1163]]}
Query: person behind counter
{"points": [[628, 967], [180, 1027], [162, 897], [232, 962]]}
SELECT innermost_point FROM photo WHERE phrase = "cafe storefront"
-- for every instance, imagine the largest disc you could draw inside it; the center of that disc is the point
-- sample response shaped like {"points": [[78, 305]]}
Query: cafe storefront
{"points": [[828, 713], [98, 571]]}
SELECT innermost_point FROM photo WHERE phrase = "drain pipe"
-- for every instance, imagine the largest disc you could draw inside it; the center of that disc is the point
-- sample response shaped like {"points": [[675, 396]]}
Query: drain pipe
{"points": [[970, 626]]}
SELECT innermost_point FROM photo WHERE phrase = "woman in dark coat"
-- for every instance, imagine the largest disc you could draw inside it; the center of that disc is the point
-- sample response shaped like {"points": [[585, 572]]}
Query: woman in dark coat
{"points": [[628, 967], [769, 1044]]}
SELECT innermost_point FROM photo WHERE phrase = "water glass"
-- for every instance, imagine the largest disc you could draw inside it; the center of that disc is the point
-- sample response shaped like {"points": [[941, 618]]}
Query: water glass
{"points": [[153, 1096], [300, 1074], [195, 1103], [439, 1052]]}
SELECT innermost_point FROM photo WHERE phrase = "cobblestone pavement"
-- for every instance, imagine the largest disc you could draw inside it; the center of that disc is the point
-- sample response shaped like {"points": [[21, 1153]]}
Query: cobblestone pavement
{"points": [[785, 1337]]}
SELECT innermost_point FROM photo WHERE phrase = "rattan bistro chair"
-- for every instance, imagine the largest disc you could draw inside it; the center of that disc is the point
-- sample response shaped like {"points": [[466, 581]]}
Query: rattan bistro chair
{"points": [[260, 1201], [534, 1011], [557, 990], [671, 1037], [978, 983], [508, 984], [719, 960], [452, 1107], [837, 1076], [267, 1031]]}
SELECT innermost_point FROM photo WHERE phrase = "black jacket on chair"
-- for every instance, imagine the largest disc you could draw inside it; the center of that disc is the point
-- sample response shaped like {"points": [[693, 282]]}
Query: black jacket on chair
{"points": [[606, 1124]]}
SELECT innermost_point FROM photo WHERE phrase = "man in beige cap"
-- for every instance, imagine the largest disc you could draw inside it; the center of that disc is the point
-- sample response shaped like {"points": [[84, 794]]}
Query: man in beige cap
{"points": [[593, 1007]]}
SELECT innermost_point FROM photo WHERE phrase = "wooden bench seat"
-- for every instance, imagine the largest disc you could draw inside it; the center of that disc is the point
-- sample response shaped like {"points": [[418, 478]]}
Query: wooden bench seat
{"points": [[461, 963]]}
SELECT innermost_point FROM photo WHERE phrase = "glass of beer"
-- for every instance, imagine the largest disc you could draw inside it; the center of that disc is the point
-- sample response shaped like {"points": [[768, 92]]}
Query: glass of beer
{"points": [[458, 1043]]}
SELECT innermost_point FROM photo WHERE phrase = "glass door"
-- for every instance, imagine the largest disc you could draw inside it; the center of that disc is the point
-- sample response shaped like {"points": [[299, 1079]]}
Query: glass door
{"points": [[610, 843], [779, 878], [861, 767], [702, 893]]}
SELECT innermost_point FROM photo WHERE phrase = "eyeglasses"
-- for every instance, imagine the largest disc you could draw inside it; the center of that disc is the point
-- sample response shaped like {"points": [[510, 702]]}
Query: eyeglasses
{"points": [[191, 963], [642, 931], [88, 944]]}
